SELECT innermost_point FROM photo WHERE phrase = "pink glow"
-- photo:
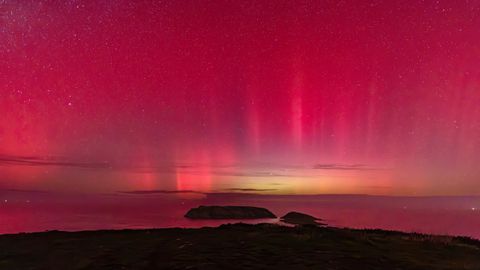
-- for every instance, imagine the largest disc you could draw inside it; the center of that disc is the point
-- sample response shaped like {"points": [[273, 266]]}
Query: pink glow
{"points": [[291, 97]]}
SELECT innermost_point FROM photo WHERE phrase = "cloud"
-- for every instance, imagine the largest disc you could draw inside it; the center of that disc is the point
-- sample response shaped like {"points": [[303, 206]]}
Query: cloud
{"points": [[13, 190], [6, 160], [161, 191], [235, 170], [189, 168], [344, 167], [251, 189], [144, 192], [247, 174]]}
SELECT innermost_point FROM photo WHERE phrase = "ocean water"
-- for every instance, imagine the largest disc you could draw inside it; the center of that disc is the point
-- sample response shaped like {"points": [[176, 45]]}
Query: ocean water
{"points": [[34, 212]]}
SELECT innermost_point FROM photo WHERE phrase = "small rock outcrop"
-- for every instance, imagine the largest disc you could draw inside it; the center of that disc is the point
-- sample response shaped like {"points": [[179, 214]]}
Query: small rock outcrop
{"points": [[228, 212], [297, 218]]}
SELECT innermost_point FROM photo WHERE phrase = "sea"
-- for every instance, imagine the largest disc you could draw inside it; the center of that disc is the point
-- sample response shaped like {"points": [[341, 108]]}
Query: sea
{"points": [[24, 211]]}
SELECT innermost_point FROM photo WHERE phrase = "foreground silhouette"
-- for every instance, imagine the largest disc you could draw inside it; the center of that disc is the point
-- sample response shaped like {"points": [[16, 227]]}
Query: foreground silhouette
{"points": [[238, 246]]}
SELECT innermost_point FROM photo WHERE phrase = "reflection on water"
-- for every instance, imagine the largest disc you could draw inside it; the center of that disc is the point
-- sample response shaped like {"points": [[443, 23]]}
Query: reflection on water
{"points": [[39, 212]]}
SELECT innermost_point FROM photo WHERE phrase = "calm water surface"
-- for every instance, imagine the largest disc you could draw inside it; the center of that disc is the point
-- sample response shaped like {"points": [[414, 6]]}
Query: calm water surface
{"points": [[32, 212]]}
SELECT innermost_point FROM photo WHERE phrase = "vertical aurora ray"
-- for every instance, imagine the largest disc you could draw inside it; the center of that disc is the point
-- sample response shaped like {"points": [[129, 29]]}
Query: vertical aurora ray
{"points": [[298, 97]]}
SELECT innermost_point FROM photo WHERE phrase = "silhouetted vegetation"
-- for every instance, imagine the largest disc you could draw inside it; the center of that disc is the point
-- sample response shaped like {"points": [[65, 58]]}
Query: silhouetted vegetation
{"points": [[238, 246]]}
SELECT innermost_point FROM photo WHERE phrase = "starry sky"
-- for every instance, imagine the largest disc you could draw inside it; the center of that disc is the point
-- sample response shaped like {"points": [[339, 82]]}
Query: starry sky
{"points": [[282, 97]]}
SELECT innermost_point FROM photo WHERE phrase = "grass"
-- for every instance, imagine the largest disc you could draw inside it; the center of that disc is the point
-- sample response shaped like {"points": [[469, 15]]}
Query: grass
{"points": [[238, 246]]}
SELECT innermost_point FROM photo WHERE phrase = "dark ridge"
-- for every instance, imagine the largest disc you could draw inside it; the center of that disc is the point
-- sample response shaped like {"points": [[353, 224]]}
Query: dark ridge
{"points": [[228, 212], [238, 246], [300, 219]]}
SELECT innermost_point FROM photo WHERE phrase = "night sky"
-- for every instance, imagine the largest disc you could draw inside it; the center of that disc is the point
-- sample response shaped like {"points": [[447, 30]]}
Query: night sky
{"points": [[283, 97]]}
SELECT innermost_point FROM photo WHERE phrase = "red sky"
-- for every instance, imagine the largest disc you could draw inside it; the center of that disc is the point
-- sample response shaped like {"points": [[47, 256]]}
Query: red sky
{"points": [[377, 97]]}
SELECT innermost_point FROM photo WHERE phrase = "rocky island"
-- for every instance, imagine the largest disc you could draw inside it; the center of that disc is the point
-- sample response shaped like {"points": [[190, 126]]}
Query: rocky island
{"points": [[229, 212], [297, 218]]}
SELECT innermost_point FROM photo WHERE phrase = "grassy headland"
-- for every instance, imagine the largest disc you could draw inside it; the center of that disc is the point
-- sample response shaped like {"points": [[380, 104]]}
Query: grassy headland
{"points": [[238, 246]]}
